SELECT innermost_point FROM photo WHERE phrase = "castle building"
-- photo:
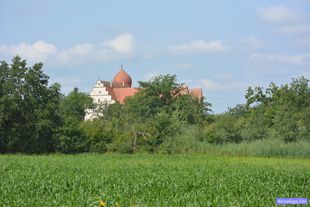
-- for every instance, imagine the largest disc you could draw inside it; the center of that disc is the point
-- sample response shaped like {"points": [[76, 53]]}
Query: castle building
{"points": [[105, 92]]}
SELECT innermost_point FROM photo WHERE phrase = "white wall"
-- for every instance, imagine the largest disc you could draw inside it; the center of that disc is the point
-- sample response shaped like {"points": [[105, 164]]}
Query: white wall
{"points": [[101, 97]]}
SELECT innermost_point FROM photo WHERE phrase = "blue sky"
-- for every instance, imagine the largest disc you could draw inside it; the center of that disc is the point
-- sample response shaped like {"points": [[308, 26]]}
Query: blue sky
{"points": [[221, 46]]}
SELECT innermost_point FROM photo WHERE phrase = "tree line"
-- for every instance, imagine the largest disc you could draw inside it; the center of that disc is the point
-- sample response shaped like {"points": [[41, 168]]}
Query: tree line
{"points": [[277, 112], [36, 118]]}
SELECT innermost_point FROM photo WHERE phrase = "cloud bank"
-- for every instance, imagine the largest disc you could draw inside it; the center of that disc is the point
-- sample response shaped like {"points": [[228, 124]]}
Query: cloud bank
{"points": [[197, 46], [278, 14], [286, 20], [37, 51], [121, 46], [297, 59], [215, 85]]}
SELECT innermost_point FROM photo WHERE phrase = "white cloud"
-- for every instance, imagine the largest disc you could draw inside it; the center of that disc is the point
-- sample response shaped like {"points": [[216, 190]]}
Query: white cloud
{"points": [[35, 52], [122, 46], [212, 85], [278, 14], [288, 21], [300, 59], [295, 29], [199, 46], [78, 52], [253, 42]]}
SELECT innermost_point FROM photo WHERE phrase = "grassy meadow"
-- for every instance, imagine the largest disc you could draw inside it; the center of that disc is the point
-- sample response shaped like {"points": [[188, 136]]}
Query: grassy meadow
{"points": [[150, 180], [259, 148]]}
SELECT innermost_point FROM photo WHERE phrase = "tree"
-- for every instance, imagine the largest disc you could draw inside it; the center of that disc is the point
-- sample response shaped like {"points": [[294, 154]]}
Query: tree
{"points": [[225, 128], [155, 95], [29, 108], [159, 110], [283, 109], [190, 110], [72, 108]]}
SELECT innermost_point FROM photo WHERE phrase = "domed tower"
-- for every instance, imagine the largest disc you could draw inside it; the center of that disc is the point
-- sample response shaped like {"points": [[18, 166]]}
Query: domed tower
{"points": [[121, 79]]}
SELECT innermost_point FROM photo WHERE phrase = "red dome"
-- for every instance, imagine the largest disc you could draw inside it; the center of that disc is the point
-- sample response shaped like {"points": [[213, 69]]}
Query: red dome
{"points": [[122, 79]]}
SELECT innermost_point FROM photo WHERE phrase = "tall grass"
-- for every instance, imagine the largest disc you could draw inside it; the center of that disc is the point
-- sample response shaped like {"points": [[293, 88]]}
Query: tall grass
{"points": [[260, 148], [189, 141]]}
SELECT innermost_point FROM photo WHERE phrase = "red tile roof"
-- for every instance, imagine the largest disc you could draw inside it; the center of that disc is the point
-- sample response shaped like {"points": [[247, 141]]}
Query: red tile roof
{"points": [[196, 92], [120, 88], [108, 87], [121, 79], [122, 93]]}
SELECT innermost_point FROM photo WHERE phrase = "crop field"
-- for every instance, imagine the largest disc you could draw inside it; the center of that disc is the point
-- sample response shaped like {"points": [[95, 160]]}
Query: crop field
{"points": [[150, 180]]}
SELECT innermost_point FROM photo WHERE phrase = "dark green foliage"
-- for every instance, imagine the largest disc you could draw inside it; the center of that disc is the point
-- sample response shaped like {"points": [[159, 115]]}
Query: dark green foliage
{"points": [[74, 104], [156, 113], [188, 140], [98, 135], [29, 108], [72, 139], [224, 129], [191, 110], [145, 121], [277, 112], [36, 118], [283, 109], [157, 95]]}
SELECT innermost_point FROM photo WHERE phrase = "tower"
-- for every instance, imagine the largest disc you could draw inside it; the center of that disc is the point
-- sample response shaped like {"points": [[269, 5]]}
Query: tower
{"points": [[122, 79]]}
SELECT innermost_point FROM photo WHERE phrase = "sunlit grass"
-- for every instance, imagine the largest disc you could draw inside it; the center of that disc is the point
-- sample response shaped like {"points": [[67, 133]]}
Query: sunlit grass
{"points": [[150, 180], [259, 148]]}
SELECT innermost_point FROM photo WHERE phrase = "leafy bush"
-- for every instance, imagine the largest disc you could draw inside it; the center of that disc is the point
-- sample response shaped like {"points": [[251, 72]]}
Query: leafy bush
{"points": [[36, 118], [188, 140]]}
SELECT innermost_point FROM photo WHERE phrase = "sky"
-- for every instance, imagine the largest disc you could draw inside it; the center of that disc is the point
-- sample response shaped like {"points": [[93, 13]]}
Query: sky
{"points": [[221, 46]]}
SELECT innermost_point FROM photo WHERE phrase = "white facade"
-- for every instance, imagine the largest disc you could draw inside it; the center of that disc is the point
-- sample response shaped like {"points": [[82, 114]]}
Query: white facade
{"points": [[101, 98], [99, 94]]}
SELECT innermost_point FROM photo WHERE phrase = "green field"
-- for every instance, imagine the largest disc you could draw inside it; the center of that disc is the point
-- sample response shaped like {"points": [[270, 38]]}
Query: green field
{"points": [[150, 180]]}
